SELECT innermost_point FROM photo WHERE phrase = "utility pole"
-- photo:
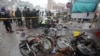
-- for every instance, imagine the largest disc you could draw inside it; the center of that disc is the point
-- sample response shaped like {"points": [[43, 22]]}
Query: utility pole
{"points": [[70, 11]]}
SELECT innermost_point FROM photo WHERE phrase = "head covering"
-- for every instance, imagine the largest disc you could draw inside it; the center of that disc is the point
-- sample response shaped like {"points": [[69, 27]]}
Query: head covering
{"points": [[17, 8], [25, 7]]}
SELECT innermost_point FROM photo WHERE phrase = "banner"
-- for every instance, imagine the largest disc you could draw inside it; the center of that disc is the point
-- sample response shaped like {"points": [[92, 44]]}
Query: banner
{"points": [[83, 15], [87, 1], [82, 6]]}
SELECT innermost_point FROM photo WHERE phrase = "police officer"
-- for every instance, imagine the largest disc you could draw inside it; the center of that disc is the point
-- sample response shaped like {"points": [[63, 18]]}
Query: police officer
{"points": [[24, 11], [19, 15], [27, 19], [37, 18], [33, 14], [5, 14]]}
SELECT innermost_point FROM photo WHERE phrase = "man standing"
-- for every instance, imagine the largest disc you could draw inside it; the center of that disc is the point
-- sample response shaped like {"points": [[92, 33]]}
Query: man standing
{"points": [[26, 15], [19, 15], [33, 13], [24, 11], [27, 19], [5, 14]]}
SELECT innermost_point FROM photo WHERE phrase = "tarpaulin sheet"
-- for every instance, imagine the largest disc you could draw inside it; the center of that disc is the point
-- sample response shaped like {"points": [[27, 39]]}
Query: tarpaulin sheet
{"points": [[81, 6]]}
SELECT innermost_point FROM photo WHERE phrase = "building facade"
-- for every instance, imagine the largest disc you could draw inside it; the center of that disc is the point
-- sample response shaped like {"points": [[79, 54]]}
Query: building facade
{"points": [[8, 3], [55, 6], [50, 5], [22, 4]]}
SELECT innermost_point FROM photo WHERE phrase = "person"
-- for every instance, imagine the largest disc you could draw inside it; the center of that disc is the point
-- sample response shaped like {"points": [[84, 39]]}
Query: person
{"points": [[19, 20], [54, 21], [24, 11], [13, 16], [27, 19], [43, 22], [5, 14], [34, 14], [48, 23], [37, 18]]}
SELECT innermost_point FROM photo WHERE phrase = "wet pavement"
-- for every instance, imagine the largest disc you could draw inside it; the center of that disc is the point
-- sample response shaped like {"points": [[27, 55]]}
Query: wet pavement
{"points": [[9, 42]]}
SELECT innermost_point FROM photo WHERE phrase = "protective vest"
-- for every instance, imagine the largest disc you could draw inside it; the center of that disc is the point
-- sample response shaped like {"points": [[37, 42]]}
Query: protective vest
{"points": [[43, 21]]}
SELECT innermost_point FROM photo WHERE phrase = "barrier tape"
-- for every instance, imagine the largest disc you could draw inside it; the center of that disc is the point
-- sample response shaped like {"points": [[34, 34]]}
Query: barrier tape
{"points": [[31, 17]]}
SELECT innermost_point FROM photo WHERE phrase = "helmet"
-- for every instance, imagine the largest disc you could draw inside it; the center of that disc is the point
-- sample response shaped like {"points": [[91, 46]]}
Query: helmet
{"points": [[76, 33]]}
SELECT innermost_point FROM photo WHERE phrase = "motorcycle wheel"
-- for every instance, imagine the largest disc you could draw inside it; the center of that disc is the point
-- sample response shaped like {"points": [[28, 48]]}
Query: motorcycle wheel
{"points": [[26, 52], [46, 45], [52, 32], [62, 42], [59, 27], [34, 48]]}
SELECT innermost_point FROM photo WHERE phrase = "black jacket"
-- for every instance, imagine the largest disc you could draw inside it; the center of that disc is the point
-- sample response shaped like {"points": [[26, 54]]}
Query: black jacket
{"points": [[28, 13], [18, 13], [5, 14], [33, 13]]}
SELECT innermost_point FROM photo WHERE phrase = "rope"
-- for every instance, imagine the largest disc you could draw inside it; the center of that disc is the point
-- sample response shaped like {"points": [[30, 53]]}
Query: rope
{"points": [[32, 17]]}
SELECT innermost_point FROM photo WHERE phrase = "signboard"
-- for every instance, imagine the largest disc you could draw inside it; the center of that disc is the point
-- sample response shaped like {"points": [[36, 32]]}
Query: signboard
{"points": [[83, 6], [83, 15]]}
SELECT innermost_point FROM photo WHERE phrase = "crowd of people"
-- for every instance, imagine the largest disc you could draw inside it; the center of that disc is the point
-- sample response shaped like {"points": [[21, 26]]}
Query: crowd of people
{"points": [[31, 18], [31, 15]]}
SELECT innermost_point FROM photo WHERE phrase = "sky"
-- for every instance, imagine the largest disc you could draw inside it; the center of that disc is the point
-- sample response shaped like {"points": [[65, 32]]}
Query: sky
{"points": [[43, 3]]}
